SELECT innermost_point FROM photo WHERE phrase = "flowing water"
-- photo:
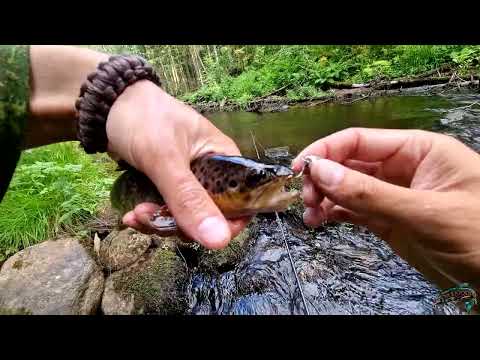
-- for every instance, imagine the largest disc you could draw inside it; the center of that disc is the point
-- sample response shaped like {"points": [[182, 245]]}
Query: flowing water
{"points": [[343, 269]]}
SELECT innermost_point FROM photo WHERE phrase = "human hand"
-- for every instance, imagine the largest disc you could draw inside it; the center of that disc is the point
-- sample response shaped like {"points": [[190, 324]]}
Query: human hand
{"points": [[146, 127], [418, 190], [160, 136]]}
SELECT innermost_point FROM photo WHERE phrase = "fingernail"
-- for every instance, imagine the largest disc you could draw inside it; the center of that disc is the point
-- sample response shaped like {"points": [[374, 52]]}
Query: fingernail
{"points": [[295, 165], [307, 216], [213, 232], [327, 172], [313, 217]]}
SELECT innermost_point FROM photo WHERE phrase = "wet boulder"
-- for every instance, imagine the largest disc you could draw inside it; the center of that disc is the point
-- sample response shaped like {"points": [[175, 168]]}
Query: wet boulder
{"points": [[52, 278]]}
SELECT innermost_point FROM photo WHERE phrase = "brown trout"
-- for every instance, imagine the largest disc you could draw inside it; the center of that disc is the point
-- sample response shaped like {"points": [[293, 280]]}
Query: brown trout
{"points": [[239, 186]]}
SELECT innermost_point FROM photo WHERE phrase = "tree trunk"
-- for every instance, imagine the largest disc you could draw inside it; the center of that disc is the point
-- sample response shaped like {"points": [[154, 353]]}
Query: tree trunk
{"points": [[173, 71], [196, 65]]}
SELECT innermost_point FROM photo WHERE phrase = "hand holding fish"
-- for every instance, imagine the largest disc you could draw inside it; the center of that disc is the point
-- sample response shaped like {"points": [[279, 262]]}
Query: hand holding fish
{"points": [[159, 136], [417, 190]]}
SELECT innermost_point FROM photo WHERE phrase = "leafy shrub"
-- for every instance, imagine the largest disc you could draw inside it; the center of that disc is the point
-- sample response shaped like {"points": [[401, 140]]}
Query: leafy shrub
{"points": [[467, 57], [54, 187]]}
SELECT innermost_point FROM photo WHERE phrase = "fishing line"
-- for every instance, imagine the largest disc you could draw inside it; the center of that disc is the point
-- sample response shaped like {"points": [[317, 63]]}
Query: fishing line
{"points": [[292, 263], [253, 139], [286, 244]]}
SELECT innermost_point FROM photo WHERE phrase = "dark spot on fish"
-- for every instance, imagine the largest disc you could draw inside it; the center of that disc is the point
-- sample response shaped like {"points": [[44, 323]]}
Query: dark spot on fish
{"points": [[202, 169], [217, 169], [218, 183], [232, 183]]}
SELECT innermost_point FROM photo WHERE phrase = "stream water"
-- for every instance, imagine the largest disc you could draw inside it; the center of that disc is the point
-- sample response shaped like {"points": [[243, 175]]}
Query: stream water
{"points": [[343, 269]]}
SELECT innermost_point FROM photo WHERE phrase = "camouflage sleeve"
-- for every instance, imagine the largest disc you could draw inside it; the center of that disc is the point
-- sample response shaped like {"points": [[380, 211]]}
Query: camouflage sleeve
{"points": [[14, 94]]}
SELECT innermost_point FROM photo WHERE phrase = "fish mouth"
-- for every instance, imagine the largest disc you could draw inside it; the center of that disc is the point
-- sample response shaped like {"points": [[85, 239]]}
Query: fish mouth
{"points": [[274, 196]]}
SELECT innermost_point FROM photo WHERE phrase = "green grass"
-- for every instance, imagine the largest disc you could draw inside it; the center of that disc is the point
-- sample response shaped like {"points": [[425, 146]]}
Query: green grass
{"points": [[54, 188]]}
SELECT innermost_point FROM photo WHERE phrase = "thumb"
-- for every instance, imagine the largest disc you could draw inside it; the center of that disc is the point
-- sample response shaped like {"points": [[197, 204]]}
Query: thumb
{"points": [[360, 192], [193, 209]]}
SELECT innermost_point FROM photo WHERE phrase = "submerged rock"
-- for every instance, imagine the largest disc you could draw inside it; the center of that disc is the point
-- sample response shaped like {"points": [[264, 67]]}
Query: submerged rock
{"points": [[122, 248], [52, 278], [155, 284], [279, 154]]}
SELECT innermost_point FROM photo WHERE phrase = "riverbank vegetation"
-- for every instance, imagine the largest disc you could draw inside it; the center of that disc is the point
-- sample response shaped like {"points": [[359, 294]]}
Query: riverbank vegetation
{"points": [[240, 74]]}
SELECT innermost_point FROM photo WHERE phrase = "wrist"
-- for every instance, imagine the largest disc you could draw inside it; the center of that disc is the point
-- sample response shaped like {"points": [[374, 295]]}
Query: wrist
{"points": [[125, 116], [101, 91], [56, 73]]}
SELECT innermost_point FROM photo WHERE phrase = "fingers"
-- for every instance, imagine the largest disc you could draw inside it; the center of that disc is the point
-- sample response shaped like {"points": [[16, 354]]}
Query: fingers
{"points": [[140, 219], [368, 168], [340, 214], [311, 197], [328, 211], [194, 211], [359, 192], [318, 214], [314, 216], [130, 220], [327, 205], [163, 225], [369, 145]]}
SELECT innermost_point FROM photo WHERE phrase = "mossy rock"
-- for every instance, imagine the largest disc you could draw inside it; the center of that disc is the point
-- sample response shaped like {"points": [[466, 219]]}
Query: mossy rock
{"points": [[122, 248], [225, 259], [155, 284]]}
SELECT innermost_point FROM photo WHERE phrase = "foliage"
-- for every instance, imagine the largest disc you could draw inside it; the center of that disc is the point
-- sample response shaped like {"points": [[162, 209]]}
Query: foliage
{"points": [[467, 56], [240, 73], [304, 92], [302, 71], [54, 187]]}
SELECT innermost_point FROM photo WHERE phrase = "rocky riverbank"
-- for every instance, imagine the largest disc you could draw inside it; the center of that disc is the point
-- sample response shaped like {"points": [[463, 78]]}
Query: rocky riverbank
{"points": [[126, 273]]}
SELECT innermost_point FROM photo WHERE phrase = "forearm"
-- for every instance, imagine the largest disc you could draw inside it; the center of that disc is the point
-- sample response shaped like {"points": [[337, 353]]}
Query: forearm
{"points": [[56, 75]]}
